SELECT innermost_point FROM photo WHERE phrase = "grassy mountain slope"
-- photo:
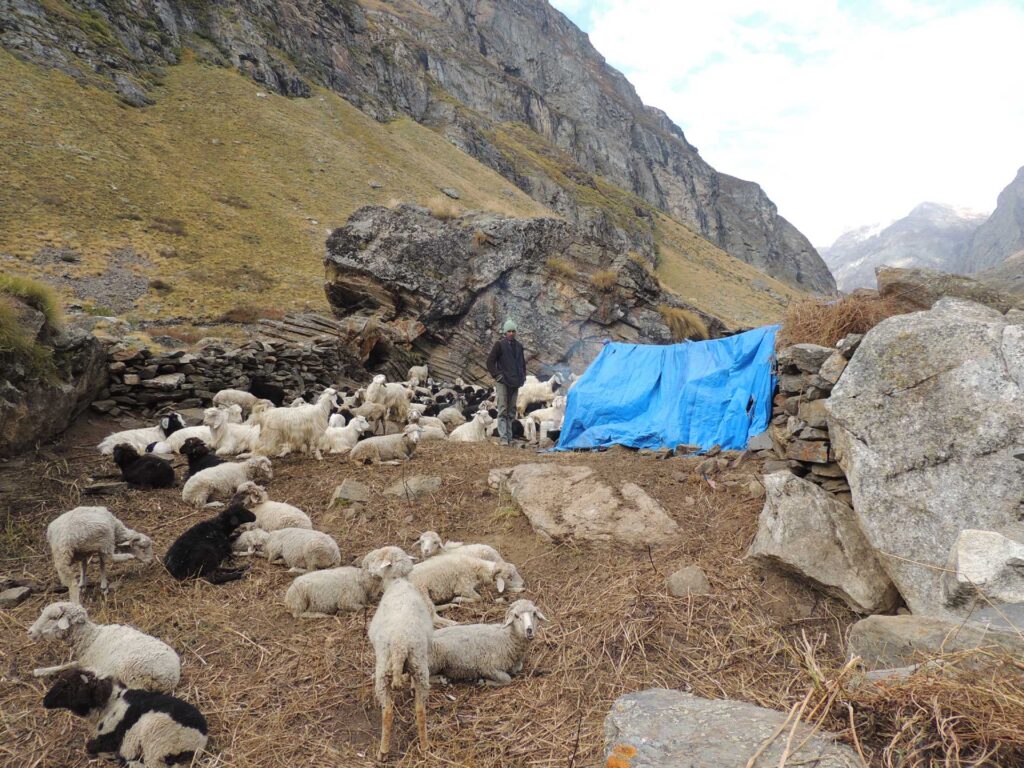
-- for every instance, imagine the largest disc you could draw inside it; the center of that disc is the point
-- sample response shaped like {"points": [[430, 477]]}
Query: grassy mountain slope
{"points": [[220, 196]]}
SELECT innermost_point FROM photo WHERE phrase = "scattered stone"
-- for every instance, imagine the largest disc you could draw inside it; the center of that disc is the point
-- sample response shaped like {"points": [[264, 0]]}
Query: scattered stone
{"points": [[986, 565], [806, 357], [813, 413], [848, 344], [833, 368], [806, 532], [924, 287], [690, 580], [660, 728], [14, 596], [452, 193], [685, 450], [755, 489], [413, 487], [814, 452], [105, 488], [350, 490], [572, 502], [761, 442], [103, 406], [375, 184]]}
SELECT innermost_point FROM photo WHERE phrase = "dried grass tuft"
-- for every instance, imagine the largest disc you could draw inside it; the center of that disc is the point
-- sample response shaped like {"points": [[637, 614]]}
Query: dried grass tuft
{"points": [[443, 208], [684, 324], [562, 267], [816, 321], [604, 280]]}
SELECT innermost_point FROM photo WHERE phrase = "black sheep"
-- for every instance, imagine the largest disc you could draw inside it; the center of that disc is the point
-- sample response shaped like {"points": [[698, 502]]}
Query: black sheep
{"points": [[145, 471], [267, 391], [199, 456], [199, 551]]}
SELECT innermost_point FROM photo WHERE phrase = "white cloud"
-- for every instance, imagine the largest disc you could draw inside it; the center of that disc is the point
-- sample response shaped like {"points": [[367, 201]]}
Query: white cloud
{"points": [[846, 113]]}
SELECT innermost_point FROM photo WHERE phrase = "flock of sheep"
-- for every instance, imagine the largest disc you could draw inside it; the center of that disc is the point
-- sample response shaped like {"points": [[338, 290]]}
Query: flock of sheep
{"points": [[122, 680]]}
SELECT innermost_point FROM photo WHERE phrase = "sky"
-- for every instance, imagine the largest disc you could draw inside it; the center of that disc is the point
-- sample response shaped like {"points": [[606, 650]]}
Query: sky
{"points": [[846, 113]]}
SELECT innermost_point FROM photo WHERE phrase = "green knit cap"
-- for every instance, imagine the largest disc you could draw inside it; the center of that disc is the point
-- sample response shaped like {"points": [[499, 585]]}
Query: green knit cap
{"points": [[510, 325]]}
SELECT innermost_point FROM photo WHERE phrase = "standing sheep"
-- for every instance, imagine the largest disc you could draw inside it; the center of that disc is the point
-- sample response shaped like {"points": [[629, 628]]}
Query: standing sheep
{"points": [[244, 400], [418, 374], [395, 397], [85, 531], [225, 479], [109, 650], [489, 652], [283, 430]]}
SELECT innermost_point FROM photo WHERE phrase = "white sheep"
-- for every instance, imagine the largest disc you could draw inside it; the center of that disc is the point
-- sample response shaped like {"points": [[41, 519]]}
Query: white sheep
{"points": [[343, 439], [228, 439], [173, 443], [139, 439], [286, 429], [320, 594], [488, 652], [109, 650], [400, 632], [270, 515], [300, 549], [534, 391], [225, 479], [82, 532], [452, 417], [554, 413], [430, 546], [474, 431], [244, 400], [454, 578], [375, 450], [418, 374], [395, 397], [249, 542]]}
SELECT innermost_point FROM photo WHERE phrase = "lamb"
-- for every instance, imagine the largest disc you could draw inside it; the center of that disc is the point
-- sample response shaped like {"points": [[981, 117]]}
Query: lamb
{"points": [[488, 652], [285, 429], [225, 479], [140, 438], [374, 450], [270, 515], [400, 632], [535, 391], [200, 550], [145, 471], [453, 578], [244, 400], [228, 439], [555, 413], [474, 431], [320, 594], [82, 532], [199, 456], [109, 650], [418, 374], [301, 549], [343, 439], [394, 396], [141, 728]]}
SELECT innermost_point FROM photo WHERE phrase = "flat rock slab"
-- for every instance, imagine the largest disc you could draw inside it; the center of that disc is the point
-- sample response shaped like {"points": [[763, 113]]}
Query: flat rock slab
{"points": [[571, 502], [350, 490], [660, 728], [413, 487], [14, 596], [690, 580]]}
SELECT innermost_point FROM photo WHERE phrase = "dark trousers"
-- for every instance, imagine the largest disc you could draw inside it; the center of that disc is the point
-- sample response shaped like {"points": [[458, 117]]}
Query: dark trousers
{"points": [[506, 400]]}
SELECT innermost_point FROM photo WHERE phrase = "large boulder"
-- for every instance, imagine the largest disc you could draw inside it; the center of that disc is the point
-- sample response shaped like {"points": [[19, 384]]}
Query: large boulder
{"points": [[448, 284], [807, 532], [923, 287], [886, 642], [985, 567], [661, 728], [924, 423], [572, 502]]}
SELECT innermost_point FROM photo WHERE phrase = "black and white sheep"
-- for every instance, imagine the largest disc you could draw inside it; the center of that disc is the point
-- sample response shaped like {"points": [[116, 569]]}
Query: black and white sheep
{"points": [[140, 438], [199, 456], [140, 728], [143, 471], [199, 551]]}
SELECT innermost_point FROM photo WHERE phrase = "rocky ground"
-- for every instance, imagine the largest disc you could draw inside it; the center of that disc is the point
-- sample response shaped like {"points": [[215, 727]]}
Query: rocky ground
{"points": [[283, 692]]}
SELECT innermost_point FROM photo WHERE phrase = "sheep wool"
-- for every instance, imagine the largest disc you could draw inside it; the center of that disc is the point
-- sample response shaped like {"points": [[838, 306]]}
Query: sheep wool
{"points": [[270, 515], [225, 479], [324, 593], [455, 577], [302, 549]]}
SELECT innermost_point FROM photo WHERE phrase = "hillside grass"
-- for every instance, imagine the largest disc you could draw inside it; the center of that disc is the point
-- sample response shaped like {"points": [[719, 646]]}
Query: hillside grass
{"points": [[18, 345], [228, 195]]}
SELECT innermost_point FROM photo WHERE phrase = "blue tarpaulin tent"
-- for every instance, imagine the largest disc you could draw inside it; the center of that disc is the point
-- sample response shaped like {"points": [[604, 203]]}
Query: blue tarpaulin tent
{"points": [[698, 393]]}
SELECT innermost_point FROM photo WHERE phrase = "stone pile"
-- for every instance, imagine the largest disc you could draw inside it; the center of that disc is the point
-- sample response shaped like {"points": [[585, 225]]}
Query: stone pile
{"points": [[799, 428], [145, 381]]}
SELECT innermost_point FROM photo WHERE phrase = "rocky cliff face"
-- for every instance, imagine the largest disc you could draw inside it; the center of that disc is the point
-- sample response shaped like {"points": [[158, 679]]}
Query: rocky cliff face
{"points": [[515, 84], [1003, 234], [446, 286], [933, 236]]}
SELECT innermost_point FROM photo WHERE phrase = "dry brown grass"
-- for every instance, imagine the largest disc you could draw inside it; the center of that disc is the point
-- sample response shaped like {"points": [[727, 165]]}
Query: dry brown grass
{"points": [[684, 324], [248, 313], [604, 280], [562, 267], [816, 321], [443, 208]]}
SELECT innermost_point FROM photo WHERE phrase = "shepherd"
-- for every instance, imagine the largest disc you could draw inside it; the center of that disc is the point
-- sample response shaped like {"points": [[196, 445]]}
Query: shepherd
{"points": [[507, 366]]}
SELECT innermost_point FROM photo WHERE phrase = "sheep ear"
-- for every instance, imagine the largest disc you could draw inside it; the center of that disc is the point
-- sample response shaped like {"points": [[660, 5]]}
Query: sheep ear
{"points": [[500, 584], [540, 615], [509, 618], [63, 623]]}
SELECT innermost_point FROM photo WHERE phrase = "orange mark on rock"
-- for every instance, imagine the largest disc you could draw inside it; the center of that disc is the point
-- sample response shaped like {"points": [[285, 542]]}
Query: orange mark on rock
{"points": [[620, 756]]}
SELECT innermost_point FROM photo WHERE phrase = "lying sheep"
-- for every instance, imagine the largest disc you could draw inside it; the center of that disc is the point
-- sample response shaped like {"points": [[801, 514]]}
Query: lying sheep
{"points": [[143, 471], [249, 542], [140, 438], [244, 400], [300, 549], [140, 728], [324, 593], [109, 650], [225, 479], [270, 515], [474, 431], [454, 578], [400, 631], [343, 439], [488, 652], [176, 442], [229, 439], [452, 417], [199, 456], [374, 450], [82, 532], [199, 551], [430, 545]]}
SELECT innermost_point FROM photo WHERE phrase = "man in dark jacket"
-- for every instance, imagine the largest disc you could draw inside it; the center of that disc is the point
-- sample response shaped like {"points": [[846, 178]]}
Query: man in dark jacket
{"points": [[507, 365]]}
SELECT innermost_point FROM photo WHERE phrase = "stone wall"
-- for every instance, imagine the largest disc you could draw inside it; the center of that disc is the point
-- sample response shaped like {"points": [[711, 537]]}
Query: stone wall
{"points": [[143, 381], [799, 429]]}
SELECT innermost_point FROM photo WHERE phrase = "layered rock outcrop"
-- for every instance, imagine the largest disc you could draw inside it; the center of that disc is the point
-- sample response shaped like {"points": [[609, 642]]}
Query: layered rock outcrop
{"points": [[476, 70], [1003, 233], [446, 286]]}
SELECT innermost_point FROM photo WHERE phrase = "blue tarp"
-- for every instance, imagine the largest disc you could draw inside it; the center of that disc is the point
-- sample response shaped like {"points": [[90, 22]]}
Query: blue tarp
{"points": [[699, 393]]}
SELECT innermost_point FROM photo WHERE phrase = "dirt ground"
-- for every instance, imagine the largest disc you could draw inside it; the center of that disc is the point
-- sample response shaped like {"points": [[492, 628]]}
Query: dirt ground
{"points": [[292, 693]]}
